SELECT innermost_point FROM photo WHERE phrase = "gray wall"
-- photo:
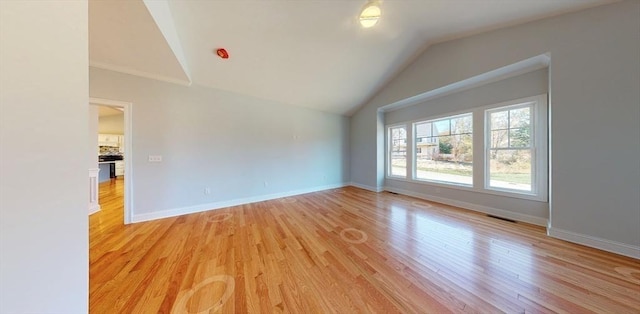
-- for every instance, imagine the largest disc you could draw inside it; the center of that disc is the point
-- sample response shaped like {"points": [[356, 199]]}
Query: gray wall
{"points": [[44, 232], [225, 141], [526, 85], [521, 86], [595, 109]]}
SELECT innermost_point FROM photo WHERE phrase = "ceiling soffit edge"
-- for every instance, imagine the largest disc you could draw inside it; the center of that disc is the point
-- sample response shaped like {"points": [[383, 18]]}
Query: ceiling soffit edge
{"points": [[131, 71], [161, 14], [505, 72]]}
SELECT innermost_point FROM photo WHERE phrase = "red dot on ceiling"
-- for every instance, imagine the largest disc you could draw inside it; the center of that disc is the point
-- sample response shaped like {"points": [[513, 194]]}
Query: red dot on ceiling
{"points": [[222, 53]]}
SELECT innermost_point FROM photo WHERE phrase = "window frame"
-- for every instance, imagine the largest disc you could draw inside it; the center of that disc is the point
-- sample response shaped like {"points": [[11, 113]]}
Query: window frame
{"points": [[414, 142], [538, 147], [480, 174], [388, 151]]}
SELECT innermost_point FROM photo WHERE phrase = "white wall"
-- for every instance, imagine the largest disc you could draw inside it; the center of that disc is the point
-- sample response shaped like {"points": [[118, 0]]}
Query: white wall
{"points": [[43, 174], [225, 141], [594, 79], [111, 124]]}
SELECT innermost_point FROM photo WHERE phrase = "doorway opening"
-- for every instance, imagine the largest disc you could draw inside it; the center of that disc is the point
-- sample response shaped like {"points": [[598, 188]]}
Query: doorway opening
{"points": [[111, 125]]}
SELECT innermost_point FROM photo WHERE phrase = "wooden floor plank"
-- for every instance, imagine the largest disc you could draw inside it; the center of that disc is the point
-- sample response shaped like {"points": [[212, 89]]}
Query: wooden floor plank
{"points": [[346, 251]]}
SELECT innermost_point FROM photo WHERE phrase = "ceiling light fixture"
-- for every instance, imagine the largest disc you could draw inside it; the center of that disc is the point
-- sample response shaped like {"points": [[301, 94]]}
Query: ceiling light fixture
{"points": [[370, 14]]}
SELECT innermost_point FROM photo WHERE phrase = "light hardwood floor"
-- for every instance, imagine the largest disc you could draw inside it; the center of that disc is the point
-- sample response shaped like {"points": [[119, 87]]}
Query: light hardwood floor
{"points": [[346, 251]]}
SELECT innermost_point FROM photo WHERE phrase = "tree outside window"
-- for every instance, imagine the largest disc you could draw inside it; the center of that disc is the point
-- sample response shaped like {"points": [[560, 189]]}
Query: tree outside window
{"points": [[511, 149], [398, 151], [444, 149]]}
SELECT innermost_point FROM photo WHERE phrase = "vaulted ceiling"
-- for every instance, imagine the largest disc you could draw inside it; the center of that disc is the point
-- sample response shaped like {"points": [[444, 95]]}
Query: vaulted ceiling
{"points": [[310, 53]]}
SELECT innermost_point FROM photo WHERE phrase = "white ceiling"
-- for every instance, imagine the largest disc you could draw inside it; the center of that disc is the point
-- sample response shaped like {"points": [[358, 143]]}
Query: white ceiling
{"points": [[123, 36], [106, 111], [309, 53]]}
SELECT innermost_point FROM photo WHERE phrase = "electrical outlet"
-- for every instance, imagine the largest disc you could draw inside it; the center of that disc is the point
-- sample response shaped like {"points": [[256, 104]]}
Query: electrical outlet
{"points": [[155, 158], [207, 191], [266, 184]]}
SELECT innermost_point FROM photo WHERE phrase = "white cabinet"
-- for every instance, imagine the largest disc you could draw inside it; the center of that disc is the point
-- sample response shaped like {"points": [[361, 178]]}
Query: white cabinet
{"points": [[121, 144], [109, 140], [119, 168]]}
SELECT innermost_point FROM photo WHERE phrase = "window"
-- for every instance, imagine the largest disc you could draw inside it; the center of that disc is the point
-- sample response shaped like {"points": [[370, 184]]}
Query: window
{"points": [[510, 148], [512, 162], [398, 151], [444, 149]]}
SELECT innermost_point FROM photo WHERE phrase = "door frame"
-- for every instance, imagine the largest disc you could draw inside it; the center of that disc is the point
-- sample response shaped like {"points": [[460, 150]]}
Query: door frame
{"points": [[128, 148]]}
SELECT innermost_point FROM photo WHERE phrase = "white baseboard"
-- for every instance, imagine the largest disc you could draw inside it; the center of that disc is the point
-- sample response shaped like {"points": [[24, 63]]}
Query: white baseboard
{"points": [[94, 209], [367, 187], [540, 221], [211, 206], [595, 242]]}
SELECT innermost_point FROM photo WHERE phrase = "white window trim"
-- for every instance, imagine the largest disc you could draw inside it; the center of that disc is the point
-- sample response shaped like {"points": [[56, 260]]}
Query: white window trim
{"points": [[414, 166], [538, 150], [540, 119], [387, 150]]}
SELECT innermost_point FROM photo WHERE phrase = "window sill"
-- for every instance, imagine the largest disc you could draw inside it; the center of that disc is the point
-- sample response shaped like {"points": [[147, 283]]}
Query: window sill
{"points": [[468, 188]]}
